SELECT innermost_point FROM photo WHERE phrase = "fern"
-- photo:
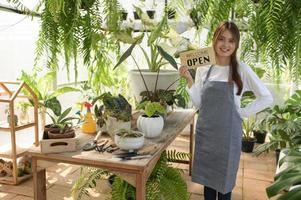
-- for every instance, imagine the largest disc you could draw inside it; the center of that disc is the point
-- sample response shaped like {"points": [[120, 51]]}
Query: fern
{"points": [[173, 155], [164, 182], [87, 180]]}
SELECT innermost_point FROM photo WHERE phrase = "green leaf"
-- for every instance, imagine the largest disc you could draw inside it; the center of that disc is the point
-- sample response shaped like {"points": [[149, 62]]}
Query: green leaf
{"points": [[167, 57], [63, 90], [153, 107], [124, 56], [54, 105], [64, 114]]}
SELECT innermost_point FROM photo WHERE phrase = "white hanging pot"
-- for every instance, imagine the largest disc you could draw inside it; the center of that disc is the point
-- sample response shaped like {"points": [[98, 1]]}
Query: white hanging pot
{"points": [[151, 126]]}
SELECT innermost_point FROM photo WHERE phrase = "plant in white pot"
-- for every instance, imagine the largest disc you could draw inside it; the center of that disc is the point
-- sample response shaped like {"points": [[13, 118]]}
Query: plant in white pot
{"points": [[117, 112], [151, 122], [127, 139]]}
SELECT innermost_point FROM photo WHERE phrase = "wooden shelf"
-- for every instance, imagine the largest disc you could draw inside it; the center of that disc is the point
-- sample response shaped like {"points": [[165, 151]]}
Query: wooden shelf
{"points": [[5, 152], [5, 126], [9, 179], [12, 93]]}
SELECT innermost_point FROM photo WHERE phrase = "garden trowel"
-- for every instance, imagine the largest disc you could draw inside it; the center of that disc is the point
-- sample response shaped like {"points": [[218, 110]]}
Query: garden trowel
{"points": [[92, 144]]}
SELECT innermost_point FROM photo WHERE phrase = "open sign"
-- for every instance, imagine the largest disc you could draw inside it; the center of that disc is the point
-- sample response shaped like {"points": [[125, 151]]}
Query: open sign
{"points": [[197, 58]]}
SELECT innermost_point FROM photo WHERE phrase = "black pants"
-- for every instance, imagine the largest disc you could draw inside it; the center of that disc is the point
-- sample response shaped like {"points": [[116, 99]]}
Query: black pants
{"points": [[210, 194]]}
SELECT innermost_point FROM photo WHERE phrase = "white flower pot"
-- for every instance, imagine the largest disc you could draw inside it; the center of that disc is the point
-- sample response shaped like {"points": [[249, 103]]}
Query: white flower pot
{"points": [[166, 77], [112, 124], [129, 143], [151, 126]]}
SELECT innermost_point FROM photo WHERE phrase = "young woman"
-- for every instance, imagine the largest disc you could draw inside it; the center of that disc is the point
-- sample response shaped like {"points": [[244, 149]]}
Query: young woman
{"points": [[217, 92]]}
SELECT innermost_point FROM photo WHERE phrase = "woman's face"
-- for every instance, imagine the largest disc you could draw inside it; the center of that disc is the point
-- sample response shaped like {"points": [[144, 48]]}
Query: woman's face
{"points": [[225, 44]]}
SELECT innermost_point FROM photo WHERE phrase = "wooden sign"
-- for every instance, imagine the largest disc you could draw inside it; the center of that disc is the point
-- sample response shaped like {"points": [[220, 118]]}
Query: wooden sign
{"points": [[198, 58]]}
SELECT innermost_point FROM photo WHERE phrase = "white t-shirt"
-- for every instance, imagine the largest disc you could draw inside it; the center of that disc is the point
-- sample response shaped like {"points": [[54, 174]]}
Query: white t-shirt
{"points": [[251, 82]]}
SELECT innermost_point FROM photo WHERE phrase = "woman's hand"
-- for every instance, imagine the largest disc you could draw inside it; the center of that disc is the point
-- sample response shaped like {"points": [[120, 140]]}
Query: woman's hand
{"points": [[183, 71]]}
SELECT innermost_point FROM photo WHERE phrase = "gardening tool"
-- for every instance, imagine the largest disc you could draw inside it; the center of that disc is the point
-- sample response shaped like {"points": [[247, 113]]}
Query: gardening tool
{"points": [[89, 125], [92, 144]]}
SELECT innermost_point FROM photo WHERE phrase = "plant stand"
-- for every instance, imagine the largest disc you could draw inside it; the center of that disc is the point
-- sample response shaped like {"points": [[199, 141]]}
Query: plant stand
{"points": [[9, 96]]}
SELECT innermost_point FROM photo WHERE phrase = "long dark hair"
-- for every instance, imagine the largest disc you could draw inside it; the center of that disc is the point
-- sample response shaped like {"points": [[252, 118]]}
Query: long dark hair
{"points": [[233, 72]]}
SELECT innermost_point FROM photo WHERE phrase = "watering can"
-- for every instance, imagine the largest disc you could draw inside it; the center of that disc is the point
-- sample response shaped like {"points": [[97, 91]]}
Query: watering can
{"points": [[89, 122]]}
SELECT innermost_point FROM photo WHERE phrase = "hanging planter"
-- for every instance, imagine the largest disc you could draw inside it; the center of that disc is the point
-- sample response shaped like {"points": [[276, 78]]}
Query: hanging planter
{"points": [[151, 14], [124, 16], [136, 16]]}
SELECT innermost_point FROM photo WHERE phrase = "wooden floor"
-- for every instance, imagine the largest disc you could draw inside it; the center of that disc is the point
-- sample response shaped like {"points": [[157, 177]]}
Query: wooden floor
{"points": [[254, 175]]}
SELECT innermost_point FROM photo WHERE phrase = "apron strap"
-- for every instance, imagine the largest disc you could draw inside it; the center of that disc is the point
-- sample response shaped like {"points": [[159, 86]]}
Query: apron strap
{"points": [[208, 73]]}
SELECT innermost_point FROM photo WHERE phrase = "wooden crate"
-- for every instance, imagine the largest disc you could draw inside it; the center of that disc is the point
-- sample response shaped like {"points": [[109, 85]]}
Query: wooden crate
{"points": [[59, 145]]}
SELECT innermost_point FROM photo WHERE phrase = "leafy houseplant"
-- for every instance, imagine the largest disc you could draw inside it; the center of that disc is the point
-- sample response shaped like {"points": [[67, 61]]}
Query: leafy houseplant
{"points": [[128, 139], [164, 182], [248, 140], [61, 126], [287, 178], [285, 125], [155, 57], [151, 122], [42, 87], [116, 111]]}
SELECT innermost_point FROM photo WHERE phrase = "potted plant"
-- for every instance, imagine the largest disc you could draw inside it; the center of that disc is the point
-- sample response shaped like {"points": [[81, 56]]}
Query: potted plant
{"points": [[8, 117], [284, 124], [117, 112], [155, 57], [128, 139], [151, 122], [260, 130], [61, 126], [43, 88], [23, 115], [248, 140]]}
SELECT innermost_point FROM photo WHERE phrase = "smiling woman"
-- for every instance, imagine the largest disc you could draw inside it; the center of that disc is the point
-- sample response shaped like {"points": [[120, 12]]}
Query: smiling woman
{"points": [[216, 92]]}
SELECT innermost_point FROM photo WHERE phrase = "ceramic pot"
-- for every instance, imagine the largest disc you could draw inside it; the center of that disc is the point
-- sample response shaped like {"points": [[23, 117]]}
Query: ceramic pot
{"points": [[129, 143], [151, 126]]}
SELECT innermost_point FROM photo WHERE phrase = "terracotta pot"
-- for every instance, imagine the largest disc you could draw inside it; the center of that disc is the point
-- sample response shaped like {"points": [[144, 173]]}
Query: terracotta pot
{"points": [[57, 135]]}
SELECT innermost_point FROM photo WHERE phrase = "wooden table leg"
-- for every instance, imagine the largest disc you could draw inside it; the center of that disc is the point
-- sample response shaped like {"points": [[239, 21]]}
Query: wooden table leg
{"points": [[191, 146], [39, 181], [140, 187]]}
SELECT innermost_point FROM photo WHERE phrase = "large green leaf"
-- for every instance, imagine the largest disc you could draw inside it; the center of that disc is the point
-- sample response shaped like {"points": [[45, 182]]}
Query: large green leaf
{"points": [[64, 114], [167, 57], [63, 90], [125, 55], [54, 105]]}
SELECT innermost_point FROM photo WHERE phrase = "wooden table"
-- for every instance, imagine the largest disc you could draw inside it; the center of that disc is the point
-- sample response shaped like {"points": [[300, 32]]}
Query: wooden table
{"points": [[135, 172]]}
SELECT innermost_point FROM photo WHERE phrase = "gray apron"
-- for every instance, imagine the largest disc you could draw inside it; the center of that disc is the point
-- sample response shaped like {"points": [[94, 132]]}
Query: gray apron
{"points": [[218, 137]]}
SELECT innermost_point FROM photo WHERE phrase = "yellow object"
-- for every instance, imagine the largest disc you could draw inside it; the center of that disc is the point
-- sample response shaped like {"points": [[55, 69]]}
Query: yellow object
{"points": [[89, 125]]}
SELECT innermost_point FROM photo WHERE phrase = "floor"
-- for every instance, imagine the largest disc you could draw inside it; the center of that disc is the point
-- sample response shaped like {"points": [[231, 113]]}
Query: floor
{"points": [[254, 175]]}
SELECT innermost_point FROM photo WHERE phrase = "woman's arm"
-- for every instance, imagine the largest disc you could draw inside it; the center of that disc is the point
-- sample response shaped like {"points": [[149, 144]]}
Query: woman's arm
{"points": [[251, 82], [194, 87]]}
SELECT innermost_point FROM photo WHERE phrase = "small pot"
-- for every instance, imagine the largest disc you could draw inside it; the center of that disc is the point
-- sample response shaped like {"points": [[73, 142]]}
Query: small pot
{"points": [[151, 14], [124, 15], [151, 126], [112, 124], [57, 135], [277, 153], [171, 14], [129, 143], [260, 136], [247, 146], [136, 16]]}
